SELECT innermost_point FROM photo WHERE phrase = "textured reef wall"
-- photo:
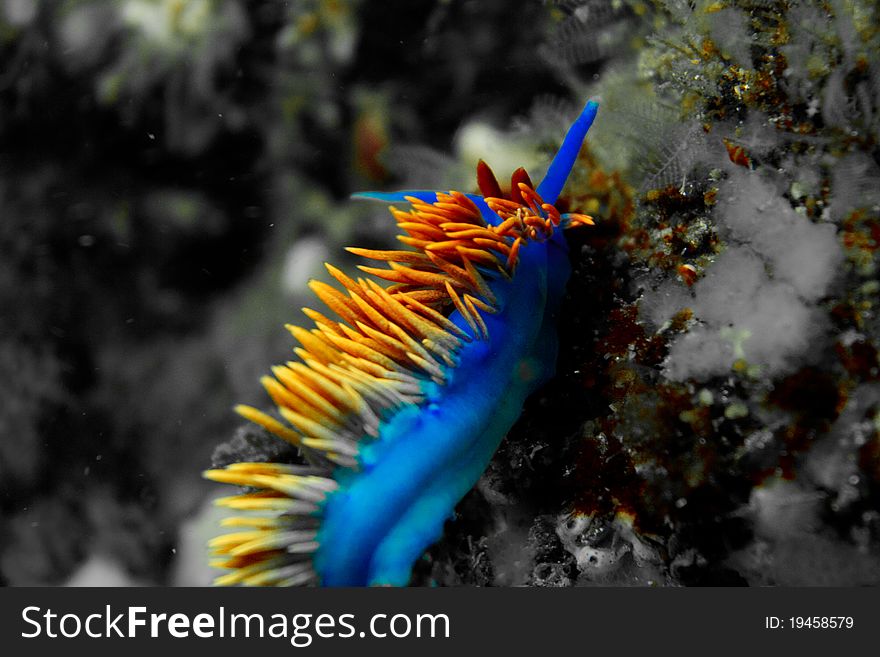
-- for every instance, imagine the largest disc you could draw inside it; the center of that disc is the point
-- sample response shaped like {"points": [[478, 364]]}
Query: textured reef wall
{"points": [[172, 172], [715, 420], [715, 417]]}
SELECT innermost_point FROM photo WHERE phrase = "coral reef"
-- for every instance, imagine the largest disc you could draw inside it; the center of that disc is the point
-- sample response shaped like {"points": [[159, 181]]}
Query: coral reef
{"points": [[736, 353]]}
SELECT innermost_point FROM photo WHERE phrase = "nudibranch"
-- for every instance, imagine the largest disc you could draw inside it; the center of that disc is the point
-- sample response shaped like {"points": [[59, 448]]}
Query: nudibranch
{"points": [[399, 403]]}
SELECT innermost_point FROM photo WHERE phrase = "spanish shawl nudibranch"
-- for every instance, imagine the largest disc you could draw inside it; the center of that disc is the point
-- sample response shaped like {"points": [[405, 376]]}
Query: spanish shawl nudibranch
{"points": [[399, 407]]}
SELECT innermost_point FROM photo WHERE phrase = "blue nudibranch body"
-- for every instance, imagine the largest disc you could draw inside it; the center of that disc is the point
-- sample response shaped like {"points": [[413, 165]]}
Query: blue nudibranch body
{"points": [[399, 407]]}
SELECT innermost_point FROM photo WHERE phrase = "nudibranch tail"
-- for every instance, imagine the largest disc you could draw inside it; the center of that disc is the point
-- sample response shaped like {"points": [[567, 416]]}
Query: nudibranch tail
{"points": [[399, 402]]}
